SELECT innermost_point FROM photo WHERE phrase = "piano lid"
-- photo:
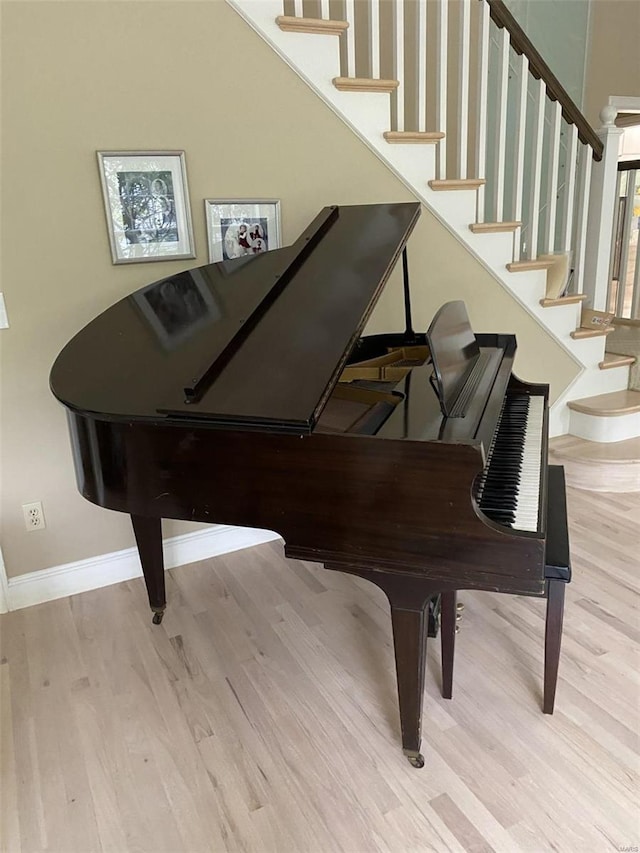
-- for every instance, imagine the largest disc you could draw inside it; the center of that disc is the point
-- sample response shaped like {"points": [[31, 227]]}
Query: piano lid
{"points": [[259, 340]]}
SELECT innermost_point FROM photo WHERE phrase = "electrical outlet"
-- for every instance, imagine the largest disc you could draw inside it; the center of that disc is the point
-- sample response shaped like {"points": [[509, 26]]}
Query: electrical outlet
{"points": [[33, 516]]}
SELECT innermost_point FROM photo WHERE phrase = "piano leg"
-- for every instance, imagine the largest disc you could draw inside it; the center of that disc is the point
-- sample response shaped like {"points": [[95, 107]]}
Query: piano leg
{"points": [[410, 644], [409, 599], [448, 614], [552, 639], [148, 533]]}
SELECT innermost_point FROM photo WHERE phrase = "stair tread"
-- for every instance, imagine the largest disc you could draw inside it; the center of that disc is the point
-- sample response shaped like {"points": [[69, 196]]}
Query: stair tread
{"points": [[580, 333], [525, 266], [364, 84], [413, 137], [457, 183], [572, 299], [318, 26], [613, 359], [613, 404], [493, 227], [579, 449]]}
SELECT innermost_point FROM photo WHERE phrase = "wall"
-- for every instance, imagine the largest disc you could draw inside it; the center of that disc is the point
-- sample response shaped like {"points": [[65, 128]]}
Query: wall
{"points": [[80, 77], [560, 33], [613, 61]]}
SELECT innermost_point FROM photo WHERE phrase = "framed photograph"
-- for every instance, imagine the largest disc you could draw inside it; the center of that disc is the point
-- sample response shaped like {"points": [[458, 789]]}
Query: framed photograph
{"points": [[177, 307], [238, 228], [146, 201]]}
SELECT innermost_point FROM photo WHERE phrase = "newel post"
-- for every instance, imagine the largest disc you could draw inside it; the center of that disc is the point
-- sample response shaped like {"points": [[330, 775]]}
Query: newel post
{"points": [[602, 206]]}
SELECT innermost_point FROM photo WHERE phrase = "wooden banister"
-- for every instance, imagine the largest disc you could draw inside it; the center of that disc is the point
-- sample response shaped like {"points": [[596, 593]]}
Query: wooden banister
{"points": [[628, 165], [539, 68]]}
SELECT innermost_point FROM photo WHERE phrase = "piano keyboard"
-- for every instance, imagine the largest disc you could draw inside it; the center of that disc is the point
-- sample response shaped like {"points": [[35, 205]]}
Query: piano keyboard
{"points": [[508, 490]]}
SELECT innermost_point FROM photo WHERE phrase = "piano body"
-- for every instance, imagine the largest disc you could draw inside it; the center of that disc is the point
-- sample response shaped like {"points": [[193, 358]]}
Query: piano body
{"points": [[242, 393]]}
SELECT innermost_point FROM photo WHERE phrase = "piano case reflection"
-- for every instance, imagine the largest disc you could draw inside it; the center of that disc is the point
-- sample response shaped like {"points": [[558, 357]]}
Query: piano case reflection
{"points": [[415, 460]]}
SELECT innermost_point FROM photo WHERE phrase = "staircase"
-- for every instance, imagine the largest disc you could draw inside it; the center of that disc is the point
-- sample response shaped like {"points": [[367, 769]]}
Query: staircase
{"points": [[510, 177]]}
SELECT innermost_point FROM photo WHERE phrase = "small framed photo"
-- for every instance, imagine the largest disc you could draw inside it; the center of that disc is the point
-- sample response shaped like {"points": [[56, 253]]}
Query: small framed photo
{"points": [[238, 228], [146, 202]]}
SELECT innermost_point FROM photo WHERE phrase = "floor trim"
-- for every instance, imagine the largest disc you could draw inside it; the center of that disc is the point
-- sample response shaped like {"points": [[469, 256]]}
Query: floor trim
{"points": [[95, 572]]}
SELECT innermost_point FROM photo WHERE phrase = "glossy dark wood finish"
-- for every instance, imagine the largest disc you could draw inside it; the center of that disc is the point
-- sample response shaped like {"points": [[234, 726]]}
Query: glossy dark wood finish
{"points": [[628, 165], [396, 508], [408, 599], [448, 616], [399, 505], [277, 377], [148, 533], [552, 641], [539, 68]]}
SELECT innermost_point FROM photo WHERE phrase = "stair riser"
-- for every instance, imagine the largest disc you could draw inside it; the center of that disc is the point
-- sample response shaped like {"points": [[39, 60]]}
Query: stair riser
{"points": [[561, 320], [590, 352], [599, 382], [589, 384], [604, 429]]}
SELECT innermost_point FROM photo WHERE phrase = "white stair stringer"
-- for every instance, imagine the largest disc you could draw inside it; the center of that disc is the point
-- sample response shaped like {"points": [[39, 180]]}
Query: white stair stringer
{"points": [[316, 59]]}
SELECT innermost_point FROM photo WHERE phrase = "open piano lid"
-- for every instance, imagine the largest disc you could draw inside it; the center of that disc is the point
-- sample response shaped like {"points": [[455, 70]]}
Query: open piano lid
{"points": [[256, 342]]}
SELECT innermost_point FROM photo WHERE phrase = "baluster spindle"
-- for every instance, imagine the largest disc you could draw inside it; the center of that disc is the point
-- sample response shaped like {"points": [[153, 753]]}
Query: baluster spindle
{"points": [[324, 10], [537, 136], [398, 60], [635, 296], [569, 189], [421, 64], [613, 281], [463, 86], [501, 122], [520, 140], [441, 90], [350, 14], [483, 87], [297, 9], [584, 184], [374, 39], [549, 241], [625, 239]]}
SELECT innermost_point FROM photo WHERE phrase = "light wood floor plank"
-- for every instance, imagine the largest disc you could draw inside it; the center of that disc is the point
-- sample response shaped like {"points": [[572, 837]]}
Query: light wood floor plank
{"points": [[9, 822], [262, 714]]}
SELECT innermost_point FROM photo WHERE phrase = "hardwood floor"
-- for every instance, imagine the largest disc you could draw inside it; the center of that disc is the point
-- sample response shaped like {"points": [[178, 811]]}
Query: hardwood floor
{"points": [[261, 715]]}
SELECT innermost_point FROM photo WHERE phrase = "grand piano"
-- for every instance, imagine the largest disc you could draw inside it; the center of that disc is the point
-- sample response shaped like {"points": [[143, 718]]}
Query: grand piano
{"points": [[244, 393]]}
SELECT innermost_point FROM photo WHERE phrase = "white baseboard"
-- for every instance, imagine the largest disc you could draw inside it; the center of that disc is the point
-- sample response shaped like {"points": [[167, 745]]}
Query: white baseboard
{"points": [[96, 572]]}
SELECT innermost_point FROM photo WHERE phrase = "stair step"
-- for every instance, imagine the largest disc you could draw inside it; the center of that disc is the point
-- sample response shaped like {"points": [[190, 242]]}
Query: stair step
{"points": [[598, 467], [525, 266], [612, 359], [573, 299], [493, 227], [364, 84], [608, 405], [413, 137], [457, 184], [319, 26], [579, 334]]}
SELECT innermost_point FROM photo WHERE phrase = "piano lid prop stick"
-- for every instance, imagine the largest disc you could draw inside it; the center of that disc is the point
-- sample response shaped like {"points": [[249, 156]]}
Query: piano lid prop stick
{"points": [[409, 334]]}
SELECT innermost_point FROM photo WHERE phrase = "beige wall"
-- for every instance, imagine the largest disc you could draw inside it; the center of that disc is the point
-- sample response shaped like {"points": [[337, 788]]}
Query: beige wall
{"points": [[79, 77], [613, 59]]}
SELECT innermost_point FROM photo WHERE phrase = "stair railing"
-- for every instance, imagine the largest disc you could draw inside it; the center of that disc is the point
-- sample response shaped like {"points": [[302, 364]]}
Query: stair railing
{"points": [[468, 69]]}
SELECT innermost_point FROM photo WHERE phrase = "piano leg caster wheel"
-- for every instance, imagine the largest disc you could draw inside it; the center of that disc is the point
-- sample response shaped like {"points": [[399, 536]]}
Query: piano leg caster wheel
{"points": [[416, 760], [157, 617]]}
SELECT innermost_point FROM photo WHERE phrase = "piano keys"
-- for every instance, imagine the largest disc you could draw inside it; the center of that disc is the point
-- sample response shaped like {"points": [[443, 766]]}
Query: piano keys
{"points": [[416, 461]]}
